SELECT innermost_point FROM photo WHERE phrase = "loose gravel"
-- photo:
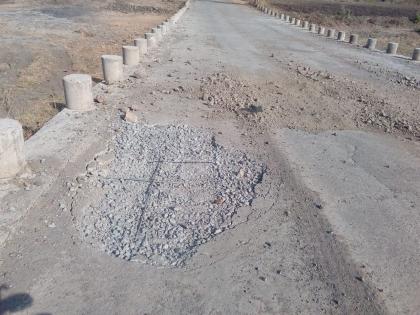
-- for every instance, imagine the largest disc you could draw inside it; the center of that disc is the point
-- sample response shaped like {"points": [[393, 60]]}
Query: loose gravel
{"points": [[168, 190]]}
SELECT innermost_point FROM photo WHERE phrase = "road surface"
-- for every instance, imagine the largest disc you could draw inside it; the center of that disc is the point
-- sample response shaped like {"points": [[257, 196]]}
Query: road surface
{"points": [[331, 224]]}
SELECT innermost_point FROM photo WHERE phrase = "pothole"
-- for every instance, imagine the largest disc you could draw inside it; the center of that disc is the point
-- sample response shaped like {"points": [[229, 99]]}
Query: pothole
{"points": [[168, 190]]}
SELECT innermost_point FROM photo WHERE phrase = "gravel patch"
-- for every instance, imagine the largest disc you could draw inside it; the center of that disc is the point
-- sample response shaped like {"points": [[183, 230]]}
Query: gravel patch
{"points": [[168, 190]]}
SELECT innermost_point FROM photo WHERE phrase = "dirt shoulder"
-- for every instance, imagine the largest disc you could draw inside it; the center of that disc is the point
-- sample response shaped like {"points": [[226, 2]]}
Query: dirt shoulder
{"points": [[45, 40]]}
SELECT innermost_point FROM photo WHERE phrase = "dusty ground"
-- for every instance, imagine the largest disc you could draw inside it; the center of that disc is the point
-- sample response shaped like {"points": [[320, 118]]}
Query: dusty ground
{"points": [[44, 40], [389, 21], [331, 227]]}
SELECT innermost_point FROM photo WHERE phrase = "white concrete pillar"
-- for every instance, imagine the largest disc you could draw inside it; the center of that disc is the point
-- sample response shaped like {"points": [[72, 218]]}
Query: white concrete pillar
{"points": [[297, 22], [158, 33], [282, 16], [341, 36], [416, 54], [293, 20], [141, 43], [160, 27], [392, 48], [354, 39], [78, 92], [371, 43], [12, 158], [312, 28], [112, 67], [321, 30], [287, 18], [305, 25], [151, 40], [131, 55], [331, 33]]}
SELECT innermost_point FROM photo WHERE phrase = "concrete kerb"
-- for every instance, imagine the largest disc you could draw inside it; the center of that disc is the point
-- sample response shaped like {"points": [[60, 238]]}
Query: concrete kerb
{"points": [[12, 157], [78, 92]]}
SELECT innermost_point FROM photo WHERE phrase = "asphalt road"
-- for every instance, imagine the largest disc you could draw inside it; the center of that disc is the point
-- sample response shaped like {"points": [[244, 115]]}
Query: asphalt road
{"points": [[335, 222]]}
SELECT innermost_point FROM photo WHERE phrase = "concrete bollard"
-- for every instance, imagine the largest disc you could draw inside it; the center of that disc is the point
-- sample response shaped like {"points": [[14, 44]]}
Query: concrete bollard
{"points": [[297, 22], [416, 54], [287, 18], [78, 92], [341, 36], [151, 40], [270, 12], [305, 25], [354, 39], [392, 48], [12, 158], [371, 43], [331, 33], [276, 14], [112, 67], [312, 28], [265, 10], [282, 16], [162, 29], [293, 21], [131, 55], [141, 43], [321, 30], [158, 33]]}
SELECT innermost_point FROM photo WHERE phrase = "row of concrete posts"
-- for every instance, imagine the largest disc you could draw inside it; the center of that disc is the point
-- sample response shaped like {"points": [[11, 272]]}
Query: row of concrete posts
{"points": [[391, 49], [78, 93]]}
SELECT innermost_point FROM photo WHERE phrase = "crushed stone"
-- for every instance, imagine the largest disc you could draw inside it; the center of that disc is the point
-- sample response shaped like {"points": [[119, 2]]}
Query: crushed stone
{"points": [[168, 190]]}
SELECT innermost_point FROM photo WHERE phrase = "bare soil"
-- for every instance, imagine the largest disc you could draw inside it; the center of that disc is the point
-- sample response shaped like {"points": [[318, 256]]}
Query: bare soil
{"points": [[44, 40]]}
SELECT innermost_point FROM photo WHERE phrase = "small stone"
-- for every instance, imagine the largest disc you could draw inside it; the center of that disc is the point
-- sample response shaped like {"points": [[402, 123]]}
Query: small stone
{"points": [[130, 117], [99, 99]]}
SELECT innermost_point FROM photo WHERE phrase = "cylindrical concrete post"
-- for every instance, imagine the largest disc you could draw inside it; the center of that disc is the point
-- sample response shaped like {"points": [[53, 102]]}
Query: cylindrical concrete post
{"points": [[416, 54], [287, 18], [151, 40], [331, 33], [297, 22], [392, 48], [78, 92], [305, 25], [282, 16], [157, 33], [341, 36], [371, 43], [141, 43], [276, 14], [162, 29], [265, 10], [131, 55], [312, 28], [12, 158], [321, 30], [270, 12], [354, 39], [293, 20], [112, 67]]}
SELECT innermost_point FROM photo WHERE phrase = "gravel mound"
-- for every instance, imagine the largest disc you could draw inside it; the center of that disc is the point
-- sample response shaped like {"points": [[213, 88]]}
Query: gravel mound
{"points": [[168, 190]]}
